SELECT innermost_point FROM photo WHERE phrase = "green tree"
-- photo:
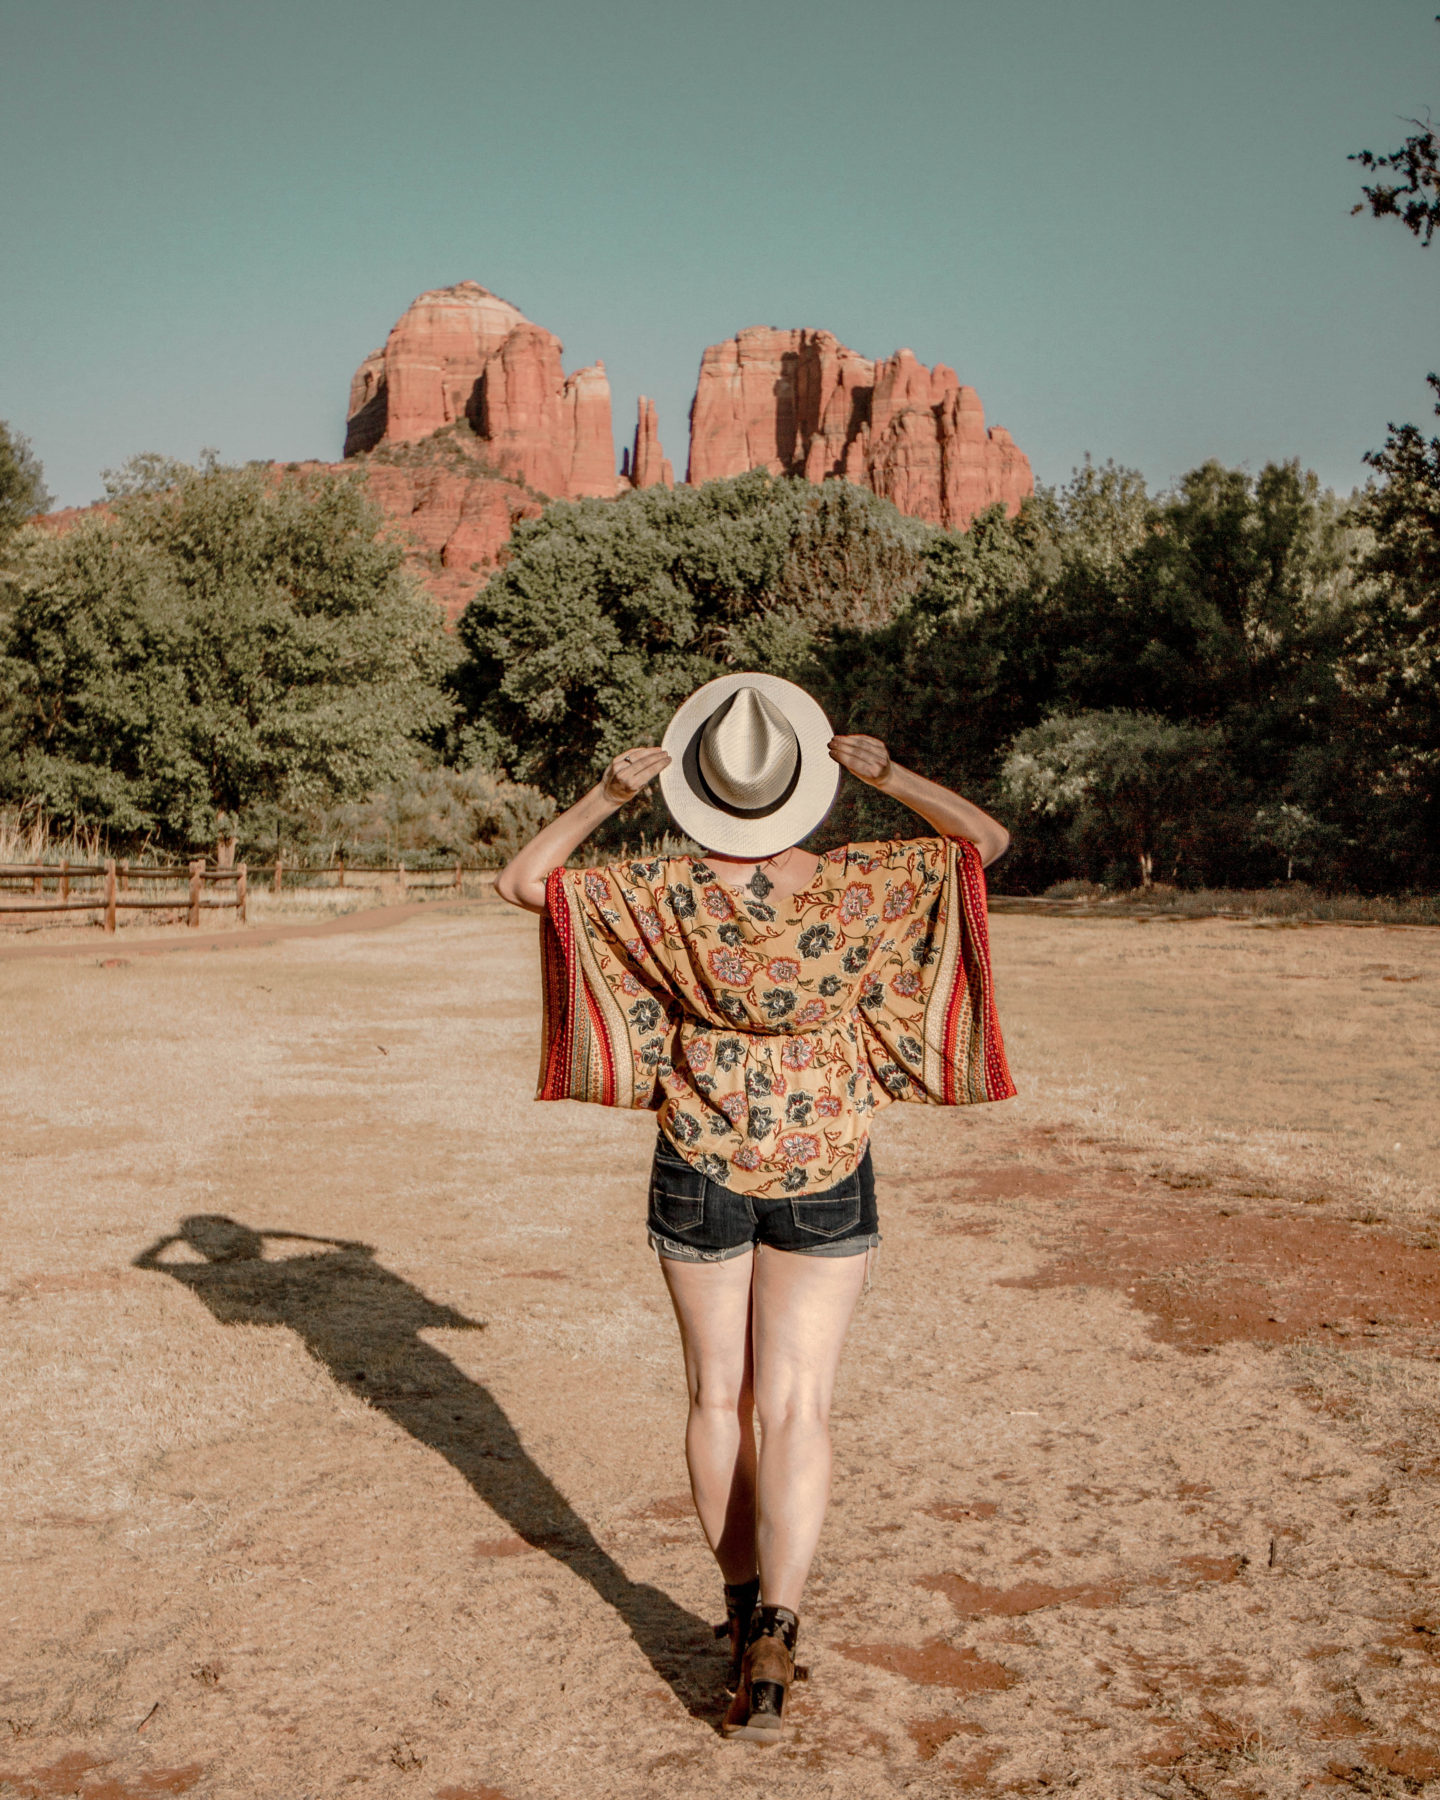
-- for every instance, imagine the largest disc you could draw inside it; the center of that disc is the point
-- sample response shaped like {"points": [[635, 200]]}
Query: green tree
{"points": [[233, 643], [22, 482], [608, 613], [1394, 651], [1292, 833], [1392, 665], [153, 473], [1124, 786], [1414, 198], [1213, 607], [948, 681]]}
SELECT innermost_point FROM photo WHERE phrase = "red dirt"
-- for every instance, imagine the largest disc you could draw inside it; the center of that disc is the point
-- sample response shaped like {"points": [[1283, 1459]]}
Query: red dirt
{"points": [[672, 1506], [931, 1735], [974, 1772], [1211, 1568], [972, 1601], [935, 1664], [1337, 1724], [1416, 1634], [74, 1775], [1412, 1763], [1022, 1181], [1209, 1276]]}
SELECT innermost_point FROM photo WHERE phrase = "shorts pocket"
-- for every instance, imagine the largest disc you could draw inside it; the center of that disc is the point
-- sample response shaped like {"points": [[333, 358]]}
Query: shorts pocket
{"points": [[677, 1195], [831, 1214]]}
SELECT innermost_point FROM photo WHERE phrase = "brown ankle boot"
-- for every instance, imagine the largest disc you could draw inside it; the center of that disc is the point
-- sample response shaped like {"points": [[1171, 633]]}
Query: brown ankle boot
{"points": [[741, 1598], [757, 1712]]}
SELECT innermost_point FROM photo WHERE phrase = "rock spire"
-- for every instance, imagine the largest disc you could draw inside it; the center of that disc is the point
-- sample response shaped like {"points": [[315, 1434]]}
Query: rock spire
{"points": [[645, 464]]}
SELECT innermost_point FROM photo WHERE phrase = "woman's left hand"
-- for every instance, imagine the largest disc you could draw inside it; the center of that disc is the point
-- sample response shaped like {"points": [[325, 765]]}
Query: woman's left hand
{"points": [[866, 758]]}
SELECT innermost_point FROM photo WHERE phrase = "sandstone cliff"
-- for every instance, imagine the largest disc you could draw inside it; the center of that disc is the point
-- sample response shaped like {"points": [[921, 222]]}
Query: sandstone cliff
{"points": [[801, 403], [462, 353]]}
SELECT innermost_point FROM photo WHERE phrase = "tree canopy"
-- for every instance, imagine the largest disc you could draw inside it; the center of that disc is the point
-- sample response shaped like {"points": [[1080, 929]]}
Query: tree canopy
{"points": [[230, 643], [608, 612], [22, 482], [1236, 636], [1396, 643], [1125, 787]]}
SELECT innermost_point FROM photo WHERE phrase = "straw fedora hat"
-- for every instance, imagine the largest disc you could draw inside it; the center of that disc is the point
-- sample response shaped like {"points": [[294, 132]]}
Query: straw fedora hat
{"points": [[750, 771]]}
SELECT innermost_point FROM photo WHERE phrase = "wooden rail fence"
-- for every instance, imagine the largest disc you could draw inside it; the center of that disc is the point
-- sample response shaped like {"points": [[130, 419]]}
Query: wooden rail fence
{"points": [[107, 886], [114, 895]]}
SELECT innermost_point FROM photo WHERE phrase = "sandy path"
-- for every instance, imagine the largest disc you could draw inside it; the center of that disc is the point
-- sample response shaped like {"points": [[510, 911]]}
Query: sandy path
{"points": [[1136, 1440]]}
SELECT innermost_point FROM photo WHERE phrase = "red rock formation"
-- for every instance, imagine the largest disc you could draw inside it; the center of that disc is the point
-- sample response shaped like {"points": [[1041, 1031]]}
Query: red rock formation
{"points": [[801, 403], [794, 402], [459, 523], [592, 459], [463, 353], [646, 464]]}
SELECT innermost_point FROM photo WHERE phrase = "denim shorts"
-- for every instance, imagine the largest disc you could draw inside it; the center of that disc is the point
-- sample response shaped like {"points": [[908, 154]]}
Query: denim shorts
{"points": [[694, 1219]]}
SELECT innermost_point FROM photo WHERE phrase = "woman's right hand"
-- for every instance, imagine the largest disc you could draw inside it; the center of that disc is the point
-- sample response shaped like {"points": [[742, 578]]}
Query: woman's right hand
{"points": [[522, 881], [632, 772]]}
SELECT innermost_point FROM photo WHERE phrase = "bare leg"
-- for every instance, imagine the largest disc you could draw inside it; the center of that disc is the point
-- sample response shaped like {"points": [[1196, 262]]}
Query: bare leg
{"points": [[801, 1311], [712, 1307]]}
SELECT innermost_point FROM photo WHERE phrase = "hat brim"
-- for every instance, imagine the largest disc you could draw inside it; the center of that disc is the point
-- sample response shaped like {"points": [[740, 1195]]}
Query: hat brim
{"points": [[809, 799]]}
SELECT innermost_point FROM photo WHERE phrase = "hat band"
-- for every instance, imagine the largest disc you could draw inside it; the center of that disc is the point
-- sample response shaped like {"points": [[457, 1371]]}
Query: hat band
{"points": [[690, 764]]}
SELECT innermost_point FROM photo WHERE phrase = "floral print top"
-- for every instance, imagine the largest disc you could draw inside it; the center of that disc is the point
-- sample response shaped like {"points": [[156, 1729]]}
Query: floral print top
{"points": [[766, 1035]]}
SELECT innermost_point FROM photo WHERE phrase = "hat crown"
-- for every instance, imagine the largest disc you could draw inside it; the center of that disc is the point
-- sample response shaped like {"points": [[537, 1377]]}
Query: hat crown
{"points": [[748, 751]]}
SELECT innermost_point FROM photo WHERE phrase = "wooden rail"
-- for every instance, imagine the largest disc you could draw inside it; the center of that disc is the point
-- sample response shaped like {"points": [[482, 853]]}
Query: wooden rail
{"points": [[114, 894]]}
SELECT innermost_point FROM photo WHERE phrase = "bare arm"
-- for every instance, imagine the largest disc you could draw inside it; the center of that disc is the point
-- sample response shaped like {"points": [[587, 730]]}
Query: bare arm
{"points": [[868, 760], [522, 880]]}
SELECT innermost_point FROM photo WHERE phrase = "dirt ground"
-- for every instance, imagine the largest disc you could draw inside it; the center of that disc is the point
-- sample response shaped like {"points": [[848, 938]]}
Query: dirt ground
{"points": [[368, 1478]]}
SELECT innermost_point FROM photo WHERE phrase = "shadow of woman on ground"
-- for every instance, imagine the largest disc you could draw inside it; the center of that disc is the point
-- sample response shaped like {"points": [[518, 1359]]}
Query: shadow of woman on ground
{"points": [[363, 1323]]}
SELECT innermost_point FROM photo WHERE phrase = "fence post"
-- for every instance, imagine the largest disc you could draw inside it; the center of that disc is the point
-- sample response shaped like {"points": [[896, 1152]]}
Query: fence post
{"points": [[241, 892], [342, 869], [65, 879], [125, 877], [109, 893], [196, 869], [402, 880], [279, 872], [458, 866], [37, 883]]}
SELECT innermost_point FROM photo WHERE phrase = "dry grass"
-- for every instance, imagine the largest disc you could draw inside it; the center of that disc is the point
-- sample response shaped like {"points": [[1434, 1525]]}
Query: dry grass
{"points": [[27, 836], [1295, 902], [396, 1506]]}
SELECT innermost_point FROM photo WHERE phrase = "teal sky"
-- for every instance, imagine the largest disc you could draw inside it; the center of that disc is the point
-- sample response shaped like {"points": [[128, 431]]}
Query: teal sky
{"points": [[1126, 222]]}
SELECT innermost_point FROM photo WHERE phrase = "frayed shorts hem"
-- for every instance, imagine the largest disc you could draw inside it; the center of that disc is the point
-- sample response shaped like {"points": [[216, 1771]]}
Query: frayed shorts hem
{"points": [[851, 1246]]}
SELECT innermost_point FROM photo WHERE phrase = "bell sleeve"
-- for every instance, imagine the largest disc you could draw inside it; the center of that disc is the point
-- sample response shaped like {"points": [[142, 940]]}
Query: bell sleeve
{"points": [[927, 1007], [609, 1015]]}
